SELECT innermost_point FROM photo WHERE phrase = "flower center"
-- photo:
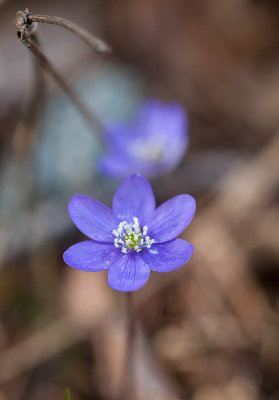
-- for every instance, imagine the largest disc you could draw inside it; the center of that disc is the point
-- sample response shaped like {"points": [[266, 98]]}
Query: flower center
{"points": [[132, 236], [151, 153], [150, 150]]}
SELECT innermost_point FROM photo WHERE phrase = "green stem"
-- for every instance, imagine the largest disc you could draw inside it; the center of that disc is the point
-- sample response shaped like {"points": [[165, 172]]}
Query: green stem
{"points": [[129, 379], [68, 394]]}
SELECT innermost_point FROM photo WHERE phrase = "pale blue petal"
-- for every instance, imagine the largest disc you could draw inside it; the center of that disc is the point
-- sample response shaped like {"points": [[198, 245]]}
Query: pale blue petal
{"points": [[92, 218], [91, 256], [129, 273], [171, 218], [134, 198], [165, 257]]}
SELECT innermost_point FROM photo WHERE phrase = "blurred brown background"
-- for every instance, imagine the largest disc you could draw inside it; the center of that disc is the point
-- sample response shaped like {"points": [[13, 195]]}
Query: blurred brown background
{"points": [[208, 331]]}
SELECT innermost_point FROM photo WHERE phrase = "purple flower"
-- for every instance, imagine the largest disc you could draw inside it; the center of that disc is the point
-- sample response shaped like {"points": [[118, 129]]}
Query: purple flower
{"points": [[132, 238], [152, 144]]}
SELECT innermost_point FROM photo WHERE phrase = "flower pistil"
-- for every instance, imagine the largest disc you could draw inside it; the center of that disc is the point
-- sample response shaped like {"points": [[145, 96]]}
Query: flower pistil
{"points": [[132, 236]]}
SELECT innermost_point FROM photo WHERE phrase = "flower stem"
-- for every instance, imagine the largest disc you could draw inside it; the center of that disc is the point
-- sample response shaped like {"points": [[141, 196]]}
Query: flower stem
{"points": [[68, 394], [129, 381]]}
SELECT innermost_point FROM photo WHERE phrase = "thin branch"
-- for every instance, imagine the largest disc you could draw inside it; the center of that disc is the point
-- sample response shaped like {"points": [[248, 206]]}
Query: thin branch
{"points": [[25, 32], [47, 66], [97, 45], [25, 132]]}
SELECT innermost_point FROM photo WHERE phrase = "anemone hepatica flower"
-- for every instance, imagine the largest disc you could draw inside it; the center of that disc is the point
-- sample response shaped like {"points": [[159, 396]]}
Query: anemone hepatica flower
{"points": [[152, 144], [132, 238]]}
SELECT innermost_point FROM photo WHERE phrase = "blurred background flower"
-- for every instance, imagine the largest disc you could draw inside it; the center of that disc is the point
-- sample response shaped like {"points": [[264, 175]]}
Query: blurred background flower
{"points": [[152, 144]]}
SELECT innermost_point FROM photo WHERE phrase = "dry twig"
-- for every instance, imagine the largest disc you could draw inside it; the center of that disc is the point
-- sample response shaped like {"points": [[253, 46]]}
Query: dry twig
{"points": [[26, 27]]}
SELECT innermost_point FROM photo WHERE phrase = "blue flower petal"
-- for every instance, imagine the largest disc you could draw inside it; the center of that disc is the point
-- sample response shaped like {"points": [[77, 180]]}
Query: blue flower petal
{"points": [[171, 218], [165, 257], [92, 218], [91, 256], [114, 166], [134, 198], [165, 124], [169, 118], [129, 273], [151, 144]]}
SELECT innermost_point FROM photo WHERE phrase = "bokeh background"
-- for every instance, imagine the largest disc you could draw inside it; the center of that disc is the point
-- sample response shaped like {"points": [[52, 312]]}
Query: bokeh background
{"points": [[208, 331]]}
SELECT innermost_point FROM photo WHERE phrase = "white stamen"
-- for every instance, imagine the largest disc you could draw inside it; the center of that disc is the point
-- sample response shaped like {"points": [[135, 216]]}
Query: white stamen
{"points": [[132, 236]]}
